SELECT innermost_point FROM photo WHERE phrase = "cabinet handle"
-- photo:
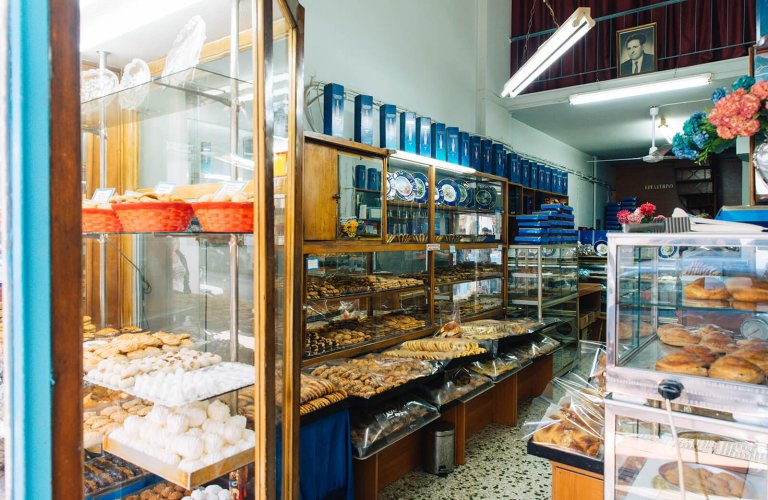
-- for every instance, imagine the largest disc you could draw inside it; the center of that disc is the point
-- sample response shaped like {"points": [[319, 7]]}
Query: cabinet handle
{"points": [[336, 197]]}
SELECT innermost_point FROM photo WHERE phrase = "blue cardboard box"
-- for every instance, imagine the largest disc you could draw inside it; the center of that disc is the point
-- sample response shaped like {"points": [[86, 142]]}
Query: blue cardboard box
{"points": [[513, 168], [475, 152], [423, 131], [534, 174], [364, 119], [388, 126], [543, 177], [487, 151], [452, 144], [464, 149], [499, 160], [565, 183], [525, 172], [333, 109], [438, 141], [548, 178], [408, 131]]}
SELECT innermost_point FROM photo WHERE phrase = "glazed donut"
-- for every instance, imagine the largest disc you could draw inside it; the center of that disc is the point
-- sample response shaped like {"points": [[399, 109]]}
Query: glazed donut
{"points": [[707, 289]]}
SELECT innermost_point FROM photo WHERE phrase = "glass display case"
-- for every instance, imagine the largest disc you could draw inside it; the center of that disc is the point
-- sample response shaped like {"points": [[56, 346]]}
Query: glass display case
{"points": [[645, 447], [407, 192], [689, 308], [468, 281], [357, 299], [542, 281], [468, 208], [360, 190]]}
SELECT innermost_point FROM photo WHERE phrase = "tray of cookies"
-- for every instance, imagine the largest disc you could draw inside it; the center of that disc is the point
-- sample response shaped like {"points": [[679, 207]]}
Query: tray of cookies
{"points": [[188, 446], [458, 385], [162, 490], [375, 429], [446, 350], [132, 344], [342, 286], [499, 368], [110, 475], [492, 329], [96, 424]]}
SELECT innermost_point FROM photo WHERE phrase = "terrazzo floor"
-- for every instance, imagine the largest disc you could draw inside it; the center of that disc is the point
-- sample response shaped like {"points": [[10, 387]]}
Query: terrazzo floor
{"points": [[497, 467]]}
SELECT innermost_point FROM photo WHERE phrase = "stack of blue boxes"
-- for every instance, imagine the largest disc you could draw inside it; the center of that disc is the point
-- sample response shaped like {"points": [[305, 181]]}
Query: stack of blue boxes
{"points": [[614, 207], [552, 225]]}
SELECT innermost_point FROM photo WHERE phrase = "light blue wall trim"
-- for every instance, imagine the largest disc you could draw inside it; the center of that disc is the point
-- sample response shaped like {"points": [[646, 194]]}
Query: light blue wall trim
{"points": [[29, 257]]}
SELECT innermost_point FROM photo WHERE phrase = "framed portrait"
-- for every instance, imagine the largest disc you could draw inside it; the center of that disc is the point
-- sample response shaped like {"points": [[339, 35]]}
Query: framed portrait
{"points": [[636, 50]]}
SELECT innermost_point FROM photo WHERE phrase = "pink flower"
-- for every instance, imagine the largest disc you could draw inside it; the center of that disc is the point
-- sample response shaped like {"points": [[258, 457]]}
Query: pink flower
{"points": [[647, 209], [659, 217], [736, 114], [760, 89], [635, 217], [622, 216]]}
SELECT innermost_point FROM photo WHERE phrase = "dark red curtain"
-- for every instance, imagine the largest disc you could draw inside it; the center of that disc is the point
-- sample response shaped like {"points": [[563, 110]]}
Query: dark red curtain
{"points": [[687, 33]]}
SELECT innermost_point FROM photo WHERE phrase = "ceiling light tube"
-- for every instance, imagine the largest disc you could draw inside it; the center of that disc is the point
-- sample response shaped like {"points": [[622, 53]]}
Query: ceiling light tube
{"points": [[570, 32], [644, 89], [443, 165]]}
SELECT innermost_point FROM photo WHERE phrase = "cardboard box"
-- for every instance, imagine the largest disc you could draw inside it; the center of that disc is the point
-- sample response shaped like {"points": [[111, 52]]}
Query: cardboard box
{"points": [[423, 132], [513, 168], [452, 144], [438, 141], [476, 152], [487, 151], [388, 126], [499, 160], [333, 109], [408, 131], [464, 149], [364, 119], [525, 172], [534, 168]]}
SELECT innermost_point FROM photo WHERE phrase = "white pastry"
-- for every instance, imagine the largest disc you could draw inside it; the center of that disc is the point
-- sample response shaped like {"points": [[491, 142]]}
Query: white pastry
{"points": [[218, 411], [132, 425], [190, 466], [196, 416], [232, 433], [249, 437], [177, 424], [223, 495], [189, 447], [170, 458], [213, 443], [238, 420], [158, 415], [213, 458], [228, 451], [213, 488], [213, 427]]}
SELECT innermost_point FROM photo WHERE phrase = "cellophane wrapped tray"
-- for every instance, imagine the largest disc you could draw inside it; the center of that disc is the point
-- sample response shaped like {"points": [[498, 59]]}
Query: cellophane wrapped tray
{"points": [[460, 384]]}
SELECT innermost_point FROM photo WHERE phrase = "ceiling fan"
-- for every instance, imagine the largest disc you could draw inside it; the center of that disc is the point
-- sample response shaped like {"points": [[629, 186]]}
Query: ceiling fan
{"points": [[655, 154]]}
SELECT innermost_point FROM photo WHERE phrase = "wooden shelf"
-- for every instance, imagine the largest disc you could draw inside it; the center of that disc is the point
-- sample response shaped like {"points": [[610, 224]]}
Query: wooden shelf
{"points": [[344, 143], [446, 208]]}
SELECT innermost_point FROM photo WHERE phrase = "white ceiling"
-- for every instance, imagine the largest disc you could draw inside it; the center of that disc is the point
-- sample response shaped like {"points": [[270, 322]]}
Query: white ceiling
{"points": [[620, 128]]}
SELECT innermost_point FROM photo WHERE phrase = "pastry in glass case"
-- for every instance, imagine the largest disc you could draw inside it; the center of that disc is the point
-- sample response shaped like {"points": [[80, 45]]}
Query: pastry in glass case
{"points": [[435, 348]]}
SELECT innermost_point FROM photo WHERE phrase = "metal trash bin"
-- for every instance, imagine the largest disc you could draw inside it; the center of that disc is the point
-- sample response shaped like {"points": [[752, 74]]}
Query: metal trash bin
{"points": [[439, 448]]}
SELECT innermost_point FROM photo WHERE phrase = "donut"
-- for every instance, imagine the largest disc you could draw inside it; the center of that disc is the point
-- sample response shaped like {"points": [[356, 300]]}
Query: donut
{"points": [[707, 289]]}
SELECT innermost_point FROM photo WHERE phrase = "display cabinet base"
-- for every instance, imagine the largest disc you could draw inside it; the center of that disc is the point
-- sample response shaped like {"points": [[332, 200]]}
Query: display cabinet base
{"points": [[188, 480], [572, 483], [533, 380]]}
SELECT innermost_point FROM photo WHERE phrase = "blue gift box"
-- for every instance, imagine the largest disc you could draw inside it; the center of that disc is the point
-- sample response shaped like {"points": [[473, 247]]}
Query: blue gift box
{"points": [[534, 167], [475, 152], [525, 172], [556, 180], [548, 178], [452, 144], [464, 149], [423, 131], [543, 177], [388, 126], [565, 183], [499, 160], [364, 119], [408, 131], [438, 141], [487, 151], [333, 109], [513, 168]]}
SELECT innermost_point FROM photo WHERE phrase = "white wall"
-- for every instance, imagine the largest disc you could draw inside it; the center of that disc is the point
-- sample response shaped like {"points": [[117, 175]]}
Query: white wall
{"points": [[446, 59]]}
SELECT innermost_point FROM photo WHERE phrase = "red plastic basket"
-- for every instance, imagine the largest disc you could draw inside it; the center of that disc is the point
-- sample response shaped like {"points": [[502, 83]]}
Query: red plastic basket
{"points": [[154, 217], [225, 216], [99, 220]]}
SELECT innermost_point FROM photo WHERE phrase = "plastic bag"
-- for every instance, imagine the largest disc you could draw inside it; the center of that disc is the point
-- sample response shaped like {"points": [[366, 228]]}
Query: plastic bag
{"points": [[373, 374], [491, 329], [452, 327], [436, 348], [574, 420], [498, 366], [372, 431], [457, 384], [544, 345]]}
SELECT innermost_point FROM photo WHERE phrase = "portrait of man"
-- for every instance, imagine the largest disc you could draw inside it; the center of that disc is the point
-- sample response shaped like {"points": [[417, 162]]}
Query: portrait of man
{"points": [[636, 50]]}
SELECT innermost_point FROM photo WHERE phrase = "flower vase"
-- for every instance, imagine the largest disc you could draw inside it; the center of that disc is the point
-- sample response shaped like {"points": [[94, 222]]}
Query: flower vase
{"points": [[648, 227]]}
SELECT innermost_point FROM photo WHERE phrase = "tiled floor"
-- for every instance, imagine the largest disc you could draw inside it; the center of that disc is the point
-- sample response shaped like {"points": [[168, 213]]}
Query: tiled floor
{"points": [[497, 467]]}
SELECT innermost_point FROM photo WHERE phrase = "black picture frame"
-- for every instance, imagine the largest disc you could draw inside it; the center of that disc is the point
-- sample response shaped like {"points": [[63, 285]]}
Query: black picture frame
{"points": [[639, 37]]}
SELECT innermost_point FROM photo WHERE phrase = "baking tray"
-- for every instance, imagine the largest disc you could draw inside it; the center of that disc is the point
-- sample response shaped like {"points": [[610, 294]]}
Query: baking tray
{"points": [[561, 456], [368, 403], [120, 490], [188, 480]]}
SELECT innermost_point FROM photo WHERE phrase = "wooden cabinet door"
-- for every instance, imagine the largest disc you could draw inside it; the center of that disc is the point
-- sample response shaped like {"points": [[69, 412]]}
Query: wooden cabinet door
{"points": [[320, 192]]}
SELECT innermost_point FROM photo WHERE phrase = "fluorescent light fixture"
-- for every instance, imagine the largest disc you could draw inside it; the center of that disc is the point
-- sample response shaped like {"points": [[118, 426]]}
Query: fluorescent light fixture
{"points": [[106, 21], [425, 160], [570, 32], [643, 89]]}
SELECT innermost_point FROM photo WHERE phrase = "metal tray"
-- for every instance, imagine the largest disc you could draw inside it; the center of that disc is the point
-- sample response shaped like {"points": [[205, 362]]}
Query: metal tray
{"points": [[368, 403], [561, 456]]}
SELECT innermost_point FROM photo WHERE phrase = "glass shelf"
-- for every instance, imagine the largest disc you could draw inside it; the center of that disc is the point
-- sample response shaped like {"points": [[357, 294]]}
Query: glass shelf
{"points": [[163, 96]]}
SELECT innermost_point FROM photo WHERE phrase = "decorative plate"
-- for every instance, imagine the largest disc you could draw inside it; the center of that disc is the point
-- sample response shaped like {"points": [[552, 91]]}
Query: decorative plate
{"points": [[450, 192], [667, 251], [485, 197], [548, 252], [601, 248], [470, 194], [439, 197], [422, 187], [390, 187], [405, 185], [463, 193]]}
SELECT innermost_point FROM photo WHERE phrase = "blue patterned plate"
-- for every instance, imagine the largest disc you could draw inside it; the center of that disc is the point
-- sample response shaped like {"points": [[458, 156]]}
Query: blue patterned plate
{"points": [[405, 185], [449, 192], [485, 197], [422, 187]]}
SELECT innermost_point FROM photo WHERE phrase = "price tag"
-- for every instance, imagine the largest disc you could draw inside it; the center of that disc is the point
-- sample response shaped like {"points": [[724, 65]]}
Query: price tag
{"points": [[432, 247], [231, 187], [452, 248], [102, 195], [164, 187], [313, 264], [500, 248]]}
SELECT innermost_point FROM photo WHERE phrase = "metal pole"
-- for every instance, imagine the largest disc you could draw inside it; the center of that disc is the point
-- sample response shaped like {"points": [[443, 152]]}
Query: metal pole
{"points": [[234, 249], [102, 184]]}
